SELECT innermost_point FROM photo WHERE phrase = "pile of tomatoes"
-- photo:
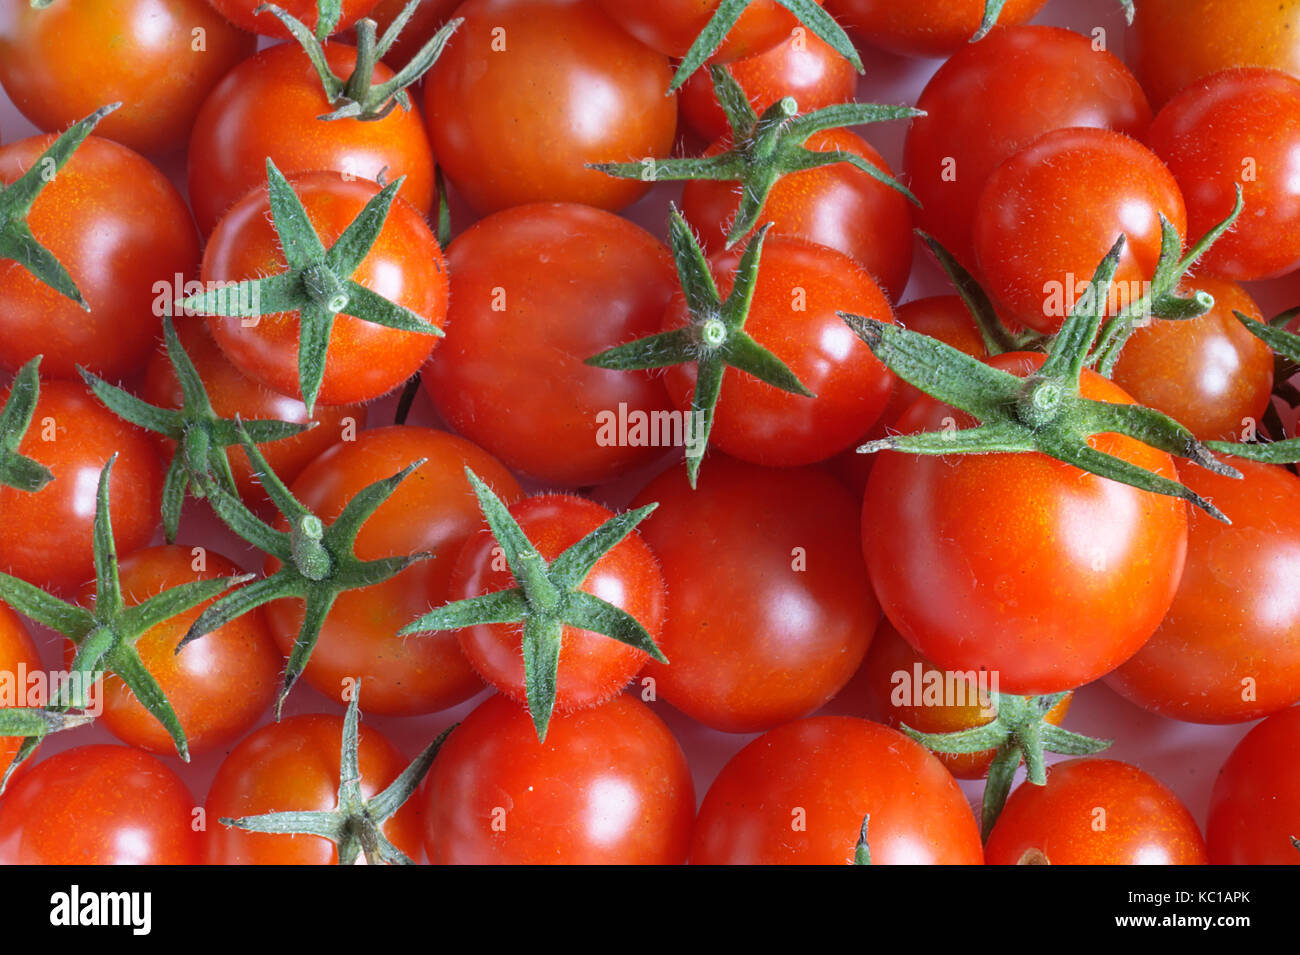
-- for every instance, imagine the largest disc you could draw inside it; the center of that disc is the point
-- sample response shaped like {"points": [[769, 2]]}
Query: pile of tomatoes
{"points": [[286, 469]]}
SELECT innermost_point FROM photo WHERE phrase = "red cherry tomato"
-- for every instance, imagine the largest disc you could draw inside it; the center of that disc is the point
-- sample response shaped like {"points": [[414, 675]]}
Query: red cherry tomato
{"points": [[19, 659], [243, 13], [1255, 806], [925, 27], [671, 26]]}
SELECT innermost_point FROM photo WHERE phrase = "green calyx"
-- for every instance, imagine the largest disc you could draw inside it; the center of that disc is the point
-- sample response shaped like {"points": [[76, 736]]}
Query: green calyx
{"points": [[32, 724], [766, 148], [17, 242], [201, 436], [546, 599], [862, 851], [105, 636], [1286, 347], [318, 284], [714, 339], [357, 96], [16, 469], [317, 560], [355, 826], [993, 10]]}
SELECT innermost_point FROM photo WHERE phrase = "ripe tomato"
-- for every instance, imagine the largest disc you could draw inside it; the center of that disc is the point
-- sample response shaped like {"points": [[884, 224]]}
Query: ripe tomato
{"points": [[433, 510], [771, 626], [1207, 373], [366, 360], [163, 58], [294, 765], [1019, 563], [536, 290], [1255, 805], [530, 91], [1095, 812], [797, 796], [671, 26], [836, 206], [118, 226], [1227, 650], [1050, 213], [993, 98], [1238, 127], [427, 19], [243, 13], [45, 537], [99, 805], [925, 27], [609, 785], [18, 659]]}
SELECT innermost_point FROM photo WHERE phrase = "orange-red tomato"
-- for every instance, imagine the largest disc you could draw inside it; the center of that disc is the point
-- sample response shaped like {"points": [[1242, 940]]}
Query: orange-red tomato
{"points": [[925, 27], [243, 13], [671, 26], [1255, 805], [19, 659]]}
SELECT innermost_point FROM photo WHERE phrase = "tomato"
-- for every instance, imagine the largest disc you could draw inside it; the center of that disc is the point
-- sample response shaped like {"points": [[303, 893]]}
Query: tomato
{"points": [[428, 17], [162, 59], [769, 610], [925, 27], [1255, 806], [1238, 128], [99, 805], [45, 537], [1019, 563], [609, 785], [836, 206], [528, 92], [1050, 213], [433, 510], [537, 290], [366, 360], [269, 107], [19, 659], [1095, 812], [993, 98], [294, 765], [118, 227], [1207, 373], [243, 13], [797, 796], [671, 26], [1227, 650]]}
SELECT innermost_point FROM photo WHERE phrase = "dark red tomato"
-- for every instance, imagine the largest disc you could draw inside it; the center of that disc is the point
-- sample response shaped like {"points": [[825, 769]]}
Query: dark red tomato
{"points": [[218, 685], [158, 58], [536, 291], [1208, 373], [800, 289], [1050, 213], [936, 28], [243, 13], [427, 19], [1019, 563], [836, 206], [797, 796], [1255, 806], [1095, 812], [609, 785], [993, 98], [234, 393], [528, 92], [294, 765], [45, 537], [803, 66], [593, 667], [1227, 650], [19, 660], [770, 626], [366, 360], [433, 510], [671, 26], [119, 228], [99, 805], [268, 107], [1239, 127]]}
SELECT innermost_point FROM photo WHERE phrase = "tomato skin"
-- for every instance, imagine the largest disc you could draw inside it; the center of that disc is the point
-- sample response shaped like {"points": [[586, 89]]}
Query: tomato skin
{"points": [[19, 658], [1235, 617], [1207, 373], [118, 226], [1255, 804], [609, 786], [772, 626], [243, 14], [45, 538], [519, 125], [99, 805], [536, 290], [1205, 134], [836, 769], [269, 107], [294, 764], [365, 360], [671, 26], [151, 66], [1022, 564], [1144, 822], [936, 28]]}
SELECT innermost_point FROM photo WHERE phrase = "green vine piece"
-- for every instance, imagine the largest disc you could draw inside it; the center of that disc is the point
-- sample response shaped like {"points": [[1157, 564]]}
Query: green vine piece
{"points": [[33, 724], [1286, 346], [862, 851], [16, 469]]}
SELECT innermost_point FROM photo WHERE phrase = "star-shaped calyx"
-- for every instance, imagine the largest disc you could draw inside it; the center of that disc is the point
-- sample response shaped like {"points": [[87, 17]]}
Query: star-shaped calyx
{"points": [[17, 470]]}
